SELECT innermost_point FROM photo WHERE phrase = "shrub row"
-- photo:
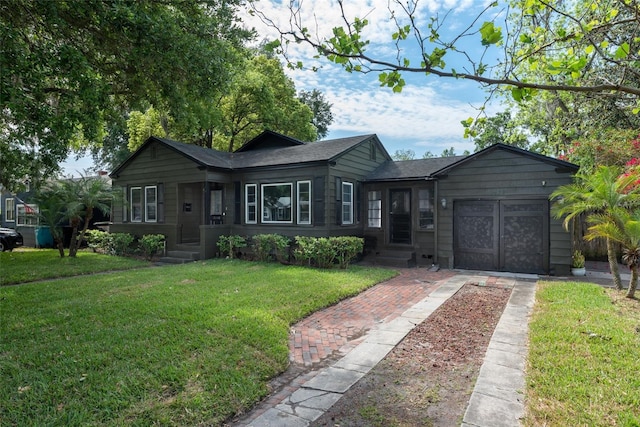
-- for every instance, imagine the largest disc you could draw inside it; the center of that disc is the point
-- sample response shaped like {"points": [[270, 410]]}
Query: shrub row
{"points": [[322, 252], [123, 244]]}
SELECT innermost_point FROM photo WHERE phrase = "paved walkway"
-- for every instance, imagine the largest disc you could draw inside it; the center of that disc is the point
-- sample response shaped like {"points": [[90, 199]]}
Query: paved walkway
{"points": [[334, 348]]}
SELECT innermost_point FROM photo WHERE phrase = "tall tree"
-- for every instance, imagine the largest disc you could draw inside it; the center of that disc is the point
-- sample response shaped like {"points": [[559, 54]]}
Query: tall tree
{"points": [[262, 98], [66, 66], [321, 109], [401, 154], [497, 129]]}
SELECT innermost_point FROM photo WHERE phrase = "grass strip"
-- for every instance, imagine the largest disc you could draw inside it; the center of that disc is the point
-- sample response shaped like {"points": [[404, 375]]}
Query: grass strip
{"points": [[28, 265], [583, 357], [176, 345]]}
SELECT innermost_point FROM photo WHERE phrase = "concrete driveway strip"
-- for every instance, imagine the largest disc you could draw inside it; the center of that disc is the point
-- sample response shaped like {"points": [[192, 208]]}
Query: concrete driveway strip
{"points": [[319, 393], [497, 399]]}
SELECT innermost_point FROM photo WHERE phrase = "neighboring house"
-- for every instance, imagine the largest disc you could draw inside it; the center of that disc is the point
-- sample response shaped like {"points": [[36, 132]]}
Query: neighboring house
{"points": [[487, 211], [19, 211]]}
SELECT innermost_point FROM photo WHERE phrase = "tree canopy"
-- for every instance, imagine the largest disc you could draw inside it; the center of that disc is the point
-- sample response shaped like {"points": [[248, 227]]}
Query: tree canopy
{"points": [[545, 45], [67, 67]]}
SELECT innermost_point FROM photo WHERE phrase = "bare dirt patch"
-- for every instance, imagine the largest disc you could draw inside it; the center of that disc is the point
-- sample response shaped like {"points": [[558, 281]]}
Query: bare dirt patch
{"points": [[428, 378]]}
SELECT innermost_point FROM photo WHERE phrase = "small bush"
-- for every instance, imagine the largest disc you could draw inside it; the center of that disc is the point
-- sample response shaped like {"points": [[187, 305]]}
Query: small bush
{"points": [[97, 240], [267, 246], [120, 243], [347, 249], [303, 251], [323, 252], [229, 244], [151, 244]]}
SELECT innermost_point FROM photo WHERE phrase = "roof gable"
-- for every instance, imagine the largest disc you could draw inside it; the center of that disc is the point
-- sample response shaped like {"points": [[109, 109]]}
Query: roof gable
{"points": [[560, 165], [269, 139], [265, 154]]}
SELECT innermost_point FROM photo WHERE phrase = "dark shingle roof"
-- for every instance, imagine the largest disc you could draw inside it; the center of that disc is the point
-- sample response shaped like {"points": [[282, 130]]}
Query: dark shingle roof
{"points": [[411, 169], [306, 153], [256, 157]]}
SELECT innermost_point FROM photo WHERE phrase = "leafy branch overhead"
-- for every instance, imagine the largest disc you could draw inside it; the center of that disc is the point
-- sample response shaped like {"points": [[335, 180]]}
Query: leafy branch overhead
{"points": [[538, 45]]}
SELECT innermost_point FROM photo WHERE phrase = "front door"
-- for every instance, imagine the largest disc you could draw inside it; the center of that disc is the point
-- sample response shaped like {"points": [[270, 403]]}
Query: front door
{"points": [[400, 216]]}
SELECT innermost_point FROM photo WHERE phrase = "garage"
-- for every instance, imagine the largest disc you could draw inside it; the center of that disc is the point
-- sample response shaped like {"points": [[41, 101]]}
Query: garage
{"points": [[502, 235]]}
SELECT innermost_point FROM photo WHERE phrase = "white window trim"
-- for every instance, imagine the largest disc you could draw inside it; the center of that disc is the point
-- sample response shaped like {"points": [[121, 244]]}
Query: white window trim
{"points": [[131, 190], [146, 204], [305, 222], [21, 206], [10, 207], [348, 203], [275, 184], [254, 204], [374, 205]]}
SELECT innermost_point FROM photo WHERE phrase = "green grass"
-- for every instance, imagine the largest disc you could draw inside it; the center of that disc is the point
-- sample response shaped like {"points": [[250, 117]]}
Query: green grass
{"points": [[177, 345], [583, 364], [28, 265]]}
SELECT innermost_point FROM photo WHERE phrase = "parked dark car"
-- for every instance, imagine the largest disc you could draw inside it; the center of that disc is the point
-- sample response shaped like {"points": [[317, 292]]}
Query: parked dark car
{"points": [[9, 239]]}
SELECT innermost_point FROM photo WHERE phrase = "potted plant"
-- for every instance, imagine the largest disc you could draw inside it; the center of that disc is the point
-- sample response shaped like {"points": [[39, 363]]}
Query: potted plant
{"points": [[577, 264]]}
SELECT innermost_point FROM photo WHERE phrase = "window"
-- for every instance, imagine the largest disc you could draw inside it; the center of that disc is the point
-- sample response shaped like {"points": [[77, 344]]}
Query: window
{"points": [[372, 151], [216, 202], [251, 204], [136, 204], [27, 215], [276, 202], [10, 209], [375, 209], [425, 203], [151, 204], [347, 203], [304, 202]]}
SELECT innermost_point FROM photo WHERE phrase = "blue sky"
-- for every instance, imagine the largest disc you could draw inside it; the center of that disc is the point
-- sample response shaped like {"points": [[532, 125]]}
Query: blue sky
{"points": [[425, 116]]}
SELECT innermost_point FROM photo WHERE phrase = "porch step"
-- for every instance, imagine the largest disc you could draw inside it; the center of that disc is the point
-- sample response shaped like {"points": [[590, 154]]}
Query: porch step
{"points": [[179, 257], [391, 258]]}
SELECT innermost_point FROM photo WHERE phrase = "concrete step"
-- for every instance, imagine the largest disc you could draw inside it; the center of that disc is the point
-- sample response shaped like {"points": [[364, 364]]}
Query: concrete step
{"points": [[391, 258], [189, 255]]}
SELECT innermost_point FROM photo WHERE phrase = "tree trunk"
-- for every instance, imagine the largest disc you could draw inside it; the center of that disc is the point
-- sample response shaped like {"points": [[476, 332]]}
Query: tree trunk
{"points": [[73, 244], [633, 283], [613, 264], [60, 246], [82, 233]]}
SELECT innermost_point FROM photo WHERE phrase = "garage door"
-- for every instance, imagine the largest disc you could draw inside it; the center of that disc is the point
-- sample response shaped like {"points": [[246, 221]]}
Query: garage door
{"points": [[502, 235]]}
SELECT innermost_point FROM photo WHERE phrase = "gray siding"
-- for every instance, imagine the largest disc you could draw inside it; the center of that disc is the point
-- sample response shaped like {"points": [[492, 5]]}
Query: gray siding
{"points": [[422, 240], [502, 175]]}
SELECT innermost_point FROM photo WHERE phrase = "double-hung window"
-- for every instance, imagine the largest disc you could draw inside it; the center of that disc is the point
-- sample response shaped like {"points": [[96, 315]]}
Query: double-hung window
{"points": [[425, 200], [27, 215], [10, 209], [347, 203], [374, 217], [251, 203], [135, 200], [304, 202], [151, 204]]}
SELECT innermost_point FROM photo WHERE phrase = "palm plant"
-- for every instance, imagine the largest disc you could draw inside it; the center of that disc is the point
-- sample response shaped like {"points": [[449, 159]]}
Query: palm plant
{"points": [[626, 231], [83, 196], [72, 201], [51, 213], [603, 192]]}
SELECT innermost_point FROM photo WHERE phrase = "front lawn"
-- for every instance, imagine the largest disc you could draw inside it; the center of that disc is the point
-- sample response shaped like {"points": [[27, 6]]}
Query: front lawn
{"points": [[177, 345], [27, 265], [583, 366]]}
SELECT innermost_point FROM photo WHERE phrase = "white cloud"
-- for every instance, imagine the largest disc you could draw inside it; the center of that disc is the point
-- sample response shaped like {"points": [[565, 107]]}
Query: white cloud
{"points": [[426, 115]]}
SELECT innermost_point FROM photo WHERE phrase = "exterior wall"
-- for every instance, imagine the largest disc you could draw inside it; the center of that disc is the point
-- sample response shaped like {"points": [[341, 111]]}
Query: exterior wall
{"points": [[179, 176], [353, 167], [423, 240], [160, 166], [502, 175]]}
